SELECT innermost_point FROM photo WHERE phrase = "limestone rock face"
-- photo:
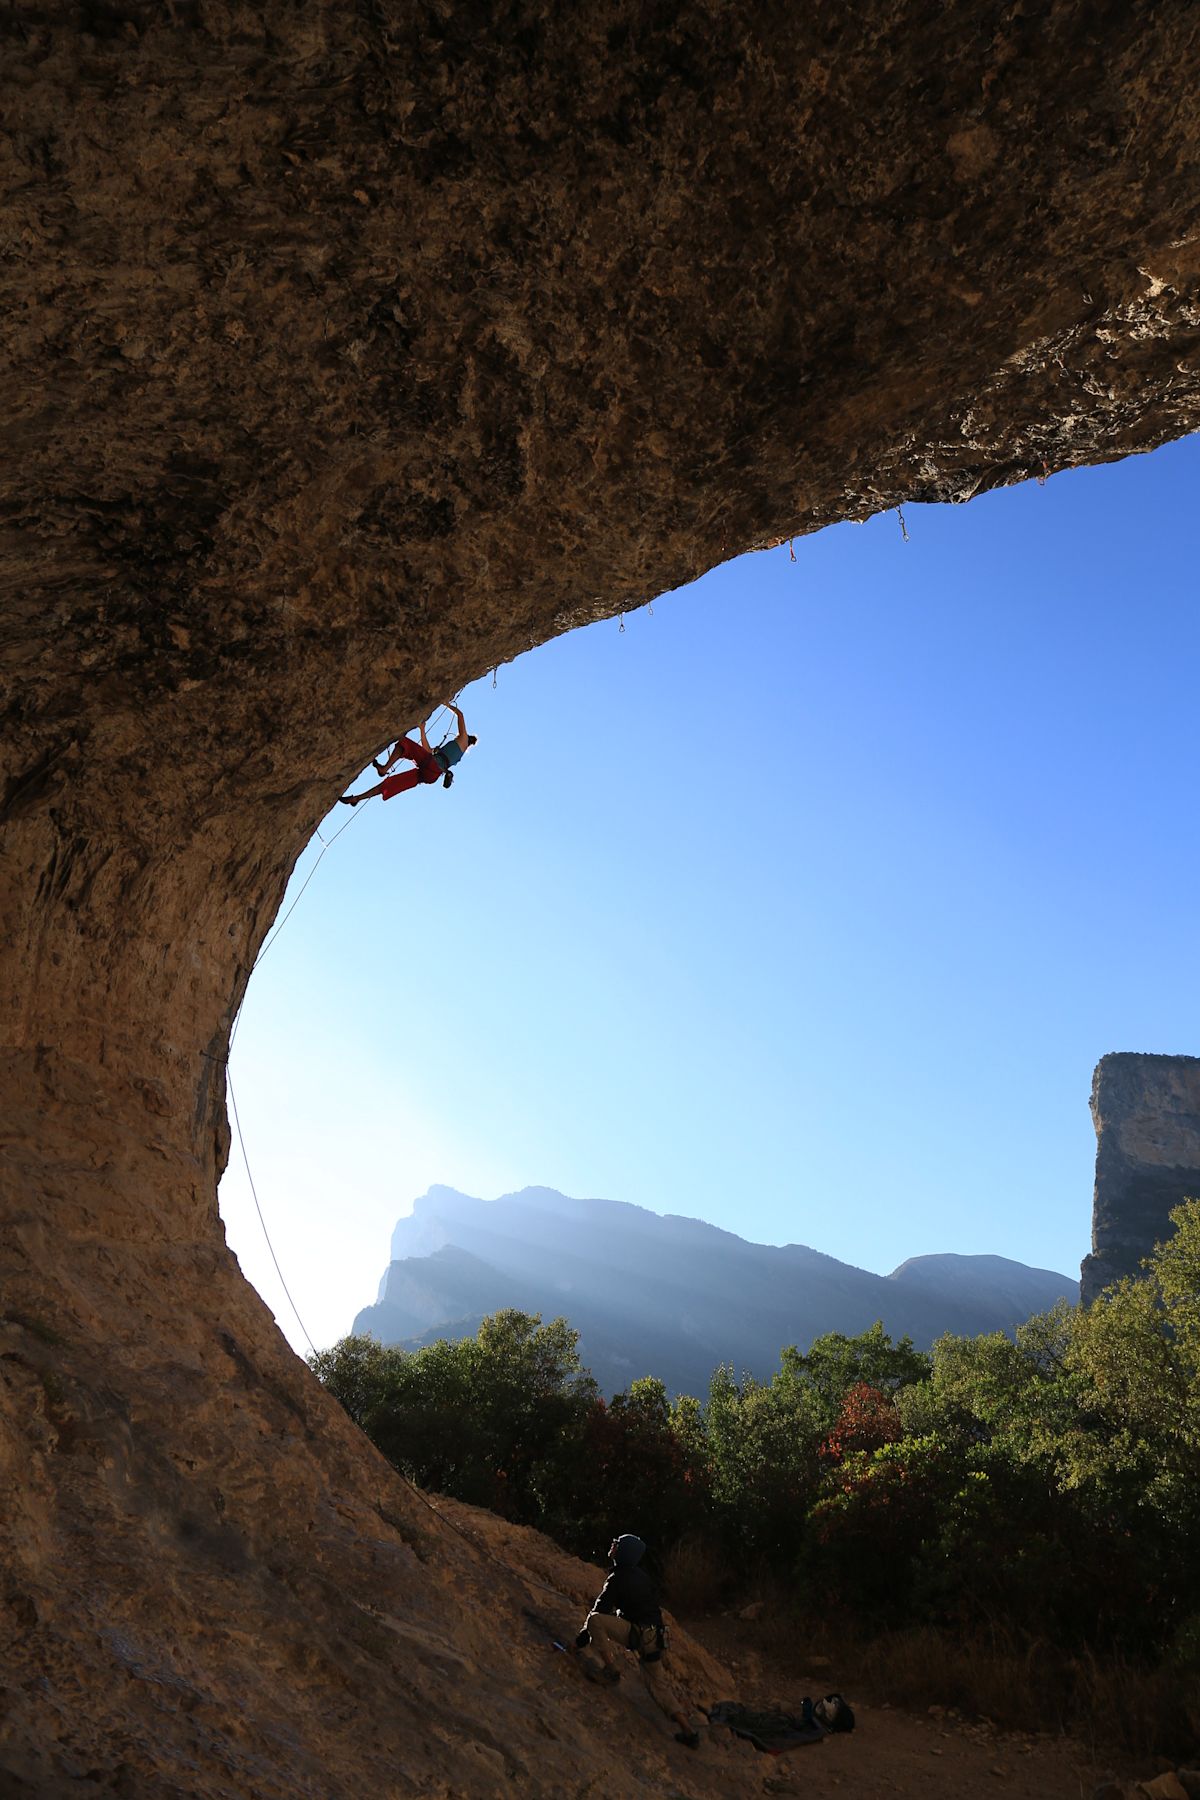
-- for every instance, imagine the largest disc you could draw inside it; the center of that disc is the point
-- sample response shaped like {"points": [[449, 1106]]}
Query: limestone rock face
{"points": [[1146, 1111], [349, 350]]}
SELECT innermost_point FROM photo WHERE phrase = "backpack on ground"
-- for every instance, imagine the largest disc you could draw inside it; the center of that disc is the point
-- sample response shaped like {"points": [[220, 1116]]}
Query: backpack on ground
{"points": [[833, 1713]]}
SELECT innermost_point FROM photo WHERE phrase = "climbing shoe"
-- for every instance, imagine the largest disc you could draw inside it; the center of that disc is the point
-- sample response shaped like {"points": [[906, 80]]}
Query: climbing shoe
{"points": [[690, 1738]]}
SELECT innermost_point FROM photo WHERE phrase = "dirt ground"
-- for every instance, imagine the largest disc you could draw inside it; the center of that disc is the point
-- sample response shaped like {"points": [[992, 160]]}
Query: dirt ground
{"points": [[935, 1756], [931, 1755]]}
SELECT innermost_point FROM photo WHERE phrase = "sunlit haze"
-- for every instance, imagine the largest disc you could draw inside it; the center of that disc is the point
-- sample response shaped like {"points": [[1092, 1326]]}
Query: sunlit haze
{"points": [[805, 904]]}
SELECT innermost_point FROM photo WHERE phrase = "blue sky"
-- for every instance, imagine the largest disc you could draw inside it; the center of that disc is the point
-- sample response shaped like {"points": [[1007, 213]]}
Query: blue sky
{"points": [[805, 905]]}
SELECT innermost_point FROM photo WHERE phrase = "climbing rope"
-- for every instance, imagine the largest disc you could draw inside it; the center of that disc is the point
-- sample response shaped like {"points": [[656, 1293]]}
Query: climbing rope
{"points": [[328, 845], [522, 1582], [254, 1192], [451, 728]]}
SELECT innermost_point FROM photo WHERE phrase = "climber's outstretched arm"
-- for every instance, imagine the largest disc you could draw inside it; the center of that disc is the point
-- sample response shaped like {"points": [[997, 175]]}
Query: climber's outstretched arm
{"points": [[464, 740]]}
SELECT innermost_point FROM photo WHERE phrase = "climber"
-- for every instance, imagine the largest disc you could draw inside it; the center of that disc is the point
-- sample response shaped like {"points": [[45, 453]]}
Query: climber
{"points": [[429, 765], [626, 1613]]}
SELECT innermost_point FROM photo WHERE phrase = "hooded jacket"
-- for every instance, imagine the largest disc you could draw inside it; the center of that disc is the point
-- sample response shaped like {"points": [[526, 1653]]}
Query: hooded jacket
{"points": [[629, 1590]]}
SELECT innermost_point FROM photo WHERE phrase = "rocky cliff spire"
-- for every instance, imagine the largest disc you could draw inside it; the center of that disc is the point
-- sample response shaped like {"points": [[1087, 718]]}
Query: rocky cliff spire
{"points": [[1146, 1111]]}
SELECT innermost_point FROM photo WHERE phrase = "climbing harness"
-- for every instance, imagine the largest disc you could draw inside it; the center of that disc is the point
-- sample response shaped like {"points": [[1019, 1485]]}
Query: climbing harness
{"points": [[648, 1641]]}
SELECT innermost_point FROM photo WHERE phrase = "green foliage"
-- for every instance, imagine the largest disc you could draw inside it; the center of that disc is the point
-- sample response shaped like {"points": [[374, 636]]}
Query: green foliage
{"points": [[483, 1419], [1079, 1448], [1136, 1357], [1176, 1269], [984, 1388], [836, 1363], [875, 1512], [762, 1441], [634, 1471], [357, 1372], [1047, 1484]]}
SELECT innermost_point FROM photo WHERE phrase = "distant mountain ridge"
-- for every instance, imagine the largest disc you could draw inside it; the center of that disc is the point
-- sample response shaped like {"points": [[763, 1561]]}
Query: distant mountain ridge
{"points": [[665, 1295]]}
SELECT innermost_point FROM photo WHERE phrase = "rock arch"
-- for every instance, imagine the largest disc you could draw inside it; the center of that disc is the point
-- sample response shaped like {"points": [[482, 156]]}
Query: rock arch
{"points": [[352, 350]]}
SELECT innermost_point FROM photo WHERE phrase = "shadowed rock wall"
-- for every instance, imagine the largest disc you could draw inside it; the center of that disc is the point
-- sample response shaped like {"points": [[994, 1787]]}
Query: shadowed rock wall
{"points": [[1146, 1110], [347, 351]]}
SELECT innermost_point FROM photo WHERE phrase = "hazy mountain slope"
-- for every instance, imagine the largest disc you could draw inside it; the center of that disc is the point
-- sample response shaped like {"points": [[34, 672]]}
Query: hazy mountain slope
{"points": [[1011, 1288], [669, 1296]]}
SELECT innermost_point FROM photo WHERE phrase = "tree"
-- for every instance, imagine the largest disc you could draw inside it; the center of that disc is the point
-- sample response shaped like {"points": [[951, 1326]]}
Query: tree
{"points": [[868, 1419], [1176, 1267], [357, 1371], [835, 1363], [634, 1472], [484, 1418], [762, 1446]]}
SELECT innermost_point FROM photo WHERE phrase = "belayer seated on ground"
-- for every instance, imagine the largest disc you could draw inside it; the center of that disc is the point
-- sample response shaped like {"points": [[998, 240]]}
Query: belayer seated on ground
{"points": [[429, 765], [626, 1613]]}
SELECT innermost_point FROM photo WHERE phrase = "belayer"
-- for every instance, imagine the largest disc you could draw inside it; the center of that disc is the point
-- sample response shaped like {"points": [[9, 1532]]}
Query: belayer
{"points": [[626, 1613], [428, 765]]}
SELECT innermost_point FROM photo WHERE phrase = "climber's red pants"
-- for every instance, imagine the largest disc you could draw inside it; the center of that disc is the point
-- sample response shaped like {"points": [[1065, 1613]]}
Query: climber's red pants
{"points": [[428, 768]]}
